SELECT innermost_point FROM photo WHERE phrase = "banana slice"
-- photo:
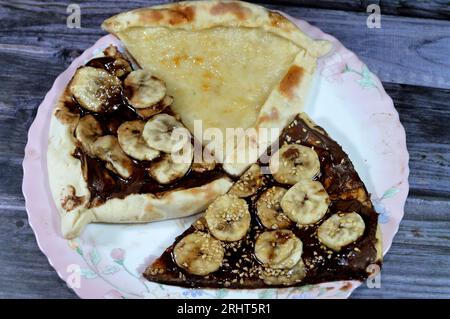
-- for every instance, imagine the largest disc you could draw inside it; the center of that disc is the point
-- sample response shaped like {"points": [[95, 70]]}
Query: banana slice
{"points": [[172, 166], [340, 230], [87, 131], [143, 89], [94, 88], [112, 52], [269, 210], [156, 108], [278, 249], [199, 254], [108, 149], [293, 162], [284, 276], [306, 202], [228, 218], [249, 183], [113, 62], [164, 133], [120, 67], [130, 139]]}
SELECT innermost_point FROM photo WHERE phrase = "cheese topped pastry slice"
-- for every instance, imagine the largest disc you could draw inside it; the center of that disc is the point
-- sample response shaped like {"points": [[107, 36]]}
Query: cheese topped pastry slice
{"points": [[228, 64]]}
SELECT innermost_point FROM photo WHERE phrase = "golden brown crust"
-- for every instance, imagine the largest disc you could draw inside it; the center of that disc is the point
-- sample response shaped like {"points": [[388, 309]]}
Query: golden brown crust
{"points": [[234, 8], [291, 81], [70, 201]]}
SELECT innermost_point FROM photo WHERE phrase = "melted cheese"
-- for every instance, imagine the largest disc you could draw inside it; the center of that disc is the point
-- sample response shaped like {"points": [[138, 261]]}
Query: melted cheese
{"points": [[220, 75]]}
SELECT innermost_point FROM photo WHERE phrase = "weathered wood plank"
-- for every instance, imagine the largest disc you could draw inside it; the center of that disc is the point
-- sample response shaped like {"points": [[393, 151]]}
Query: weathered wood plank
{"points": [[405, 50], [25, 271], [418, 263], [434, 9], [425, 115]]}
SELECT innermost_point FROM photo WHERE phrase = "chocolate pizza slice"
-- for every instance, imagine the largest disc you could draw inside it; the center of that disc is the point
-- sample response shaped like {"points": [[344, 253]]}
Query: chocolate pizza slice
{"points": [[118, 153], [304, 218]]}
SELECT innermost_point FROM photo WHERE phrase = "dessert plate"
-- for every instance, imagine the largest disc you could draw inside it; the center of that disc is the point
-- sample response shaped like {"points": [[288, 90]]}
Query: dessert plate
{"points": [[107, 261]]}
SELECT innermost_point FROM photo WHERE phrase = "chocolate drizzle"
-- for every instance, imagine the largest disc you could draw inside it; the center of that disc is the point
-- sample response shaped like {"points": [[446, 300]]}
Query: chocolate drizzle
{"points": [[322, 264], [112, 65], [104, 184]]}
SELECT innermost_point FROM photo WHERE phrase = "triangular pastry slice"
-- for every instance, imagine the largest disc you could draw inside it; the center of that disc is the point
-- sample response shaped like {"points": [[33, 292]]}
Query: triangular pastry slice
{"points": [[228, 64], [303, 217]]}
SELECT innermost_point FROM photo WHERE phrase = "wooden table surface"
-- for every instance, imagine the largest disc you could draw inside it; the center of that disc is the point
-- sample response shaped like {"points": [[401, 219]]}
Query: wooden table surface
{"points": [[410, 53]]}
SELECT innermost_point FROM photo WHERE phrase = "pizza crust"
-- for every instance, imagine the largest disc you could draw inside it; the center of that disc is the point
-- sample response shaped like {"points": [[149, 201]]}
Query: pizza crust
{"points": [[65, 174], [143, 208], [263, 79]]}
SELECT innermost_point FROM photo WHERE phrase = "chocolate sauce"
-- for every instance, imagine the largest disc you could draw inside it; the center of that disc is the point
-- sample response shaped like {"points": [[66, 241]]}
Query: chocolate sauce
{"points": [[322, 264], [111, 65]]}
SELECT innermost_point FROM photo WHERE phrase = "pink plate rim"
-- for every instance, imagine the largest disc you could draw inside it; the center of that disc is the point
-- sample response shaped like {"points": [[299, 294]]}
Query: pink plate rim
{"points": [[38, 200]]}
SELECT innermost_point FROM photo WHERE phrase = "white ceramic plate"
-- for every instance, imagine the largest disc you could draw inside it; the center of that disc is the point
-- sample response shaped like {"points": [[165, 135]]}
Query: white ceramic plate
{"points": [[107, 260]]}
